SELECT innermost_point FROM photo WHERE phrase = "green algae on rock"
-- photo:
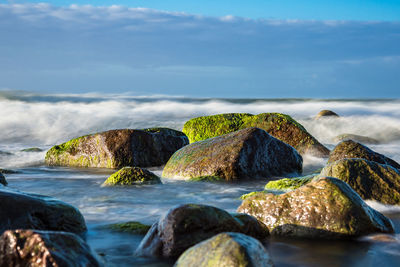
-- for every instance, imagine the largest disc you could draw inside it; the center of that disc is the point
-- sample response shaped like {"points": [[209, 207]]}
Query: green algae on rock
{"points": [[324, 208], [357, 138], [132, 176], [45, 248], [226, 249], [118, 148], [369, 179], [287, 184], [280, 126], [130, 227], [186, 225], [3, 180], [24, 211], [245, 154], [352, 149]]}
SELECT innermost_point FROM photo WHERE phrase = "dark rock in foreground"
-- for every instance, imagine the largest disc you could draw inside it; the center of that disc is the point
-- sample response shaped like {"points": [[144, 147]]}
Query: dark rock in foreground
{"points": [[324, 208], [278, 125], [3, 180], [226, 249], [25, 211], [369, 179], [245, 154], [351, 149], [186, 225], [357, 138], [118, 148], [132, 176], [45, 248], [326, 113]]}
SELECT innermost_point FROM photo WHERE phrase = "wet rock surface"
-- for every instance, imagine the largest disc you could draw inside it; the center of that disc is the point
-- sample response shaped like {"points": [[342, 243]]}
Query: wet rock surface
{"points": [[325, 208], [245, 154], [132, 176]]}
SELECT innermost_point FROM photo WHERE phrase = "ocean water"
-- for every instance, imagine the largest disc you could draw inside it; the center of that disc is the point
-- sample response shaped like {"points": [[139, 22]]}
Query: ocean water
{"points": [[34, 120]]}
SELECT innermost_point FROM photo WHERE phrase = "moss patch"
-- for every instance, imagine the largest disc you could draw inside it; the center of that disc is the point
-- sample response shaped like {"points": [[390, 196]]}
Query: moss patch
{"points": [[130, 227], [132, 176], [287, 184], [210, 178]]}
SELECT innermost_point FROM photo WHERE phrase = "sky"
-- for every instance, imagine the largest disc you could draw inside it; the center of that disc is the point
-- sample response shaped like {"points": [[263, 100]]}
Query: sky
{"points": [[266, 49]]}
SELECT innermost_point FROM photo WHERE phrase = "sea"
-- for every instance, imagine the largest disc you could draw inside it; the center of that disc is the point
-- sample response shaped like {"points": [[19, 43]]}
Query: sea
{"points": [[43, 120]]}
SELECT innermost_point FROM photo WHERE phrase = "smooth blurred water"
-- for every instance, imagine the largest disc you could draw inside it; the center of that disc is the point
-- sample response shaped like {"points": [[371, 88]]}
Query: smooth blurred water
{"points": [[42, 121]]}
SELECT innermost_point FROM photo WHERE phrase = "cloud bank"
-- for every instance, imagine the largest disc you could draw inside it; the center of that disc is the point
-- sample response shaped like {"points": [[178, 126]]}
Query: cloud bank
{"points": [[144, 51]]}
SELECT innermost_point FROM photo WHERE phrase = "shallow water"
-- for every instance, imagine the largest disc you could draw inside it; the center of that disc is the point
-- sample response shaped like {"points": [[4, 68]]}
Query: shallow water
{"points": [[42, 121]]}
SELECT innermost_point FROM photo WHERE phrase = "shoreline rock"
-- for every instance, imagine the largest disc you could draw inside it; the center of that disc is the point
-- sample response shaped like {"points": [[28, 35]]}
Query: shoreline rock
{"points": [[132, 176]]}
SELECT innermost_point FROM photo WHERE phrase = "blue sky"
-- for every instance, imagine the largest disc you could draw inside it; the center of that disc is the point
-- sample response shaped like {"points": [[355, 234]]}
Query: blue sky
{"points": [[293, 51]]}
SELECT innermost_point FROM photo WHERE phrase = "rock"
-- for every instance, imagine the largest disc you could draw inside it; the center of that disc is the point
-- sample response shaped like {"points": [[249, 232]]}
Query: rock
{"points": [[244, 154], [287, 184], [326, 113], [226, 249], [118, 148], [6, 171], [351, 149], [369, 179], [357, 138], [45, 248], [278, 125], [130, 227], [5, 153], [186, 225], [3, 180], [24, 211], [132, 176], [32, 149], [325, 208]]}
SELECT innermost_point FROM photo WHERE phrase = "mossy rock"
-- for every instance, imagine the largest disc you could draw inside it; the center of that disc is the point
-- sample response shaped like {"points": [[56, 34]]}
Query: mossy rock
{"points": [[326, 208], [280, 126], [208, 178], [3, 180], [118, 148], [369, 179], [226, 249], [326, 113], [351, 149], [32, 149], [132, 176], [250, 153], [186, 225], [287, 184], [356, 138], [130, 227], [45, 248]]}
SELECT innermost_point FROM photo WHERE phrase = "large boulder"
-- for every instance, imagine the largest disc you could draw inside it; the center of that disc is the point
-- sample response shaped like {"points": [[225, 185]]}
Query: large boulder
{"points": [[25, 211], [244, 154], [45, 248], [118, 148], [324, 208], [132, 176], [369, 179], [351, 149], [278, 125], [186, 225], [226, 249], [357, 138]]}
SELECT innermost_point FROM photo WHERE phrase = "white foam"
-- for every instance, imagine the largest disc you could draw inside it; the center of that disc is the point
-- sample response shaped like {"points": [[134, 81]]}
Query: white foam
{"points": [[383, 207]]}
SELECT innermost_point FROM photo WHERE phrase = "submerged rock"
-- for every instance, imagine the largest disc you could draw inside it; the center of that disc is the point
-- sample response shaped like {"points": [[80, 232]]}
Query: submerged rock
{"points": [[369, 179], [132, 176], [286, 184], [25, 211], [130, 227], [357, 138], [244, 154], [226, 249], [326, 113], [45, 248], [278, 125], [7, 171], [118, 148], [32, 149], [3, 180], [186, 225], [351, 149], [324, 208]]}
